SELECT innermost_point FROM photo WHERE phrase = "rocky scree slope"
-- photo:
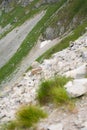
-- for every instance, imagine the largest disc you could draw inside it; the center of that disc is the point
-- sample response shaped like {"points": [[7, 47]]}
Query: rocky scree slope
{"points": [[69, 62]]}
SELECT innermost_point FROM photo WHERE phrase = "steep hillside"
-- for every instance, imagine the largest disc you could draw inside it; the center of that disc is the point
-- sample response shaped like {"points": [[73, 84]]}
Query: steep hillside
{"points": [[60, 19], [30, 41], [43, 64], [72, 14], [41, 87]]}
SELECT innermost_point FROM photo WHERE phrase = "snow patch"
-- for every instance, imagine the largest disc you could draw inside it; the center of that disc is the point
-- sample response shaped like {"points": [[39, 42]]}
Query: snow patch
{"points": [[44, 43]]}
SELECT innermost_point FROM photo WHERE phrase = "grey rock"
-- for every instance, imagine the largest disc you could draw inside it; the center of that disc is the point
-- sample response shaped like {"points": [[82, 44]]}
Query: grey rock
{"points": [[84, 54], [79, 72], [35, 65], [49, 34], [62, 29], [71, 44], [84, 124], [74, 20], [38, 5]]}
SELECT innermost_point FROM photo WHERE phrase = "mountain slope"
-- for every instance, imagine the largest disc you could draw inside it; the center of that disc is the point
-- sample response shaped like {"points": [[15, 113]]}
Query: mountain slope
{"points": [[29, 42], [60, 18], [55, 29]]}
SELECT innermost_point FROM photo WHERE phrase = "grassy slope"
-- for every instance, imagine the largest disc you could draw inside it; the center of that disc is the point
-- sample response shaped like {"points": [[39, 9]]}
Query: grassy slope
{"points": [[29, 42], [75, 8], [1, 1], [20, 14]]}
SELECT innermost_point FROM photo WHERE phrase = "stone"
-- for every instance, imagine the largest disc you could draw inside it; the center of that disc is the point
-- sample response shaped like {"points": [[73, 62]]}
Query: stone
{"points": [[49, 34], [35, 65], [62, 29], [79, 72], [36, 71], [85, 124], [71, 44], [77, 87], [84, 54], [58, 126], [38, 5]]}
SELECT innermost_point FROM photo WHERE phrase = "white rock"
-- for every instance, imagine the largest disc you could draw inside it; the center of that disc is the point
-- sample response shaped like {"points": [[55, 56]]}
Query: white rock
{"points": [[58, 126], [85, 124], [76, 87], [80, 72], [35, 64]]}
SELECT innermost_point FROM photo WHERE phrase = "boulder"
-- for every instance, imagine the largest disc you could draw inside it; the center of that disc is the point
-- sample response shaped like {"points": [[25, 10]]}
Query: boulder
{"points": [[80, 72], [62, 29], [50, 33], [84, 125], [35, 65], [77, 87]]}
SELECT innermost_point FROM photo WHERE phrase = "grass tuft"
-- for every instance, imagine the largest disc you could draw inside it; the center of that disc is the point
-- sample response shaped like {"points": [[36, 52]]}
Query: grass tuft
{"points": [[60, 96], [26, 117], [43, 93], [53, 90], [29, 115]]}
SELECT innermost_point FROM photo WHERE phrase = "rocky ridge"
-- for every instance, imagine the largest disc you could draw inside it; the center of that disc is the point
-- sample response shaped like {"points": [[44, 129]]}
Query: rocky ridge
{"points": [[70, 62], [8, 5]]}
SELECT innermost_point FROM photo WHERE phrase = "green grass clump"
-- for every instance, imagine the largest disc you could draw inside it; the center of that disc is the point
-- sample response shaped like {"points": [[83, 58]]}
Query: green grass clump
{"points": [[19, 13], [60, 96], [53, 90], [43, 93], [11, 125], [26, 117]]}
